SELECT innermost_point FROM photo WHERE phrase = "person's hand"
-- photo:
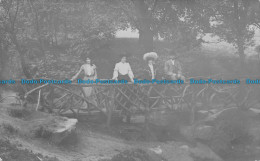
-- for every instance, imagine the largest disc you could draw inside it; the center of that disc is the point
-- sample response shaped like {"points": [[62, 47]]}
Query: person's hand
{"points": [[72, 79], [174, 75]]}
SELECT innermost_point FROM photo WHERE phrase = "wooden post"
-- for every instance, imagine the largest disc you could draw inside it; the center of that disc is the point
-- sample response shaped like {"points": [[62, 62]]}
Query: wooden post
{"points": [[109, 106], [39, 98]]}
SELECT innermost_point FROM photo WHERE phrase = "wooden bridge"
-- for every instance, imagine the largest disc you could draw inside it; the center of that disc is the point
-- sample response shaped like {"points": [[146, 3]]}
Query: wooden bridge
{"points": [[125, 99]]}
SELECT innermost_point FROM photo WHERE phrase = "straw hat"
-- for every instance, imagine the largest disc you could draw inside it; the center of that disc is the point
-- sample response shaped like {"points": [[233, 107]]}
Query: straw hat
{"points": [[150, 55]]}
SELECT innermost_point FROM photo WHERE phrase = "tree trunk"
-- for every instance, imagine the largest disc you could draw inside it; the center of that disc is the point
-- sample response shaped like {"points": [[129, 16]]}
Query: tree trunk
{"points": [[146, 40], [3, 58], [239, 36], [145, 21], [241, 52], [21, 52]]}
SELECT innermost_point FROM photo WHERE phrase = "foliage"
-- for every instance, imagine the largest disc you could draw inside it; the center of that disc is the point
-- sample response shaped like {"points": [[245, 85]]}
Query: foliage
{"points": [[42, 34], [174, 21], [232, 22], [43, 30]]}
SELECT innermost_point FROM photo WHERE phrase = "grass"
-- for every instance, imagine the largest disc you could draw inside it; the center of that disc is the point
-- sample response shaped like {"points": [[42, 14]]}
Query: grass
{"points": [[9, 128]]}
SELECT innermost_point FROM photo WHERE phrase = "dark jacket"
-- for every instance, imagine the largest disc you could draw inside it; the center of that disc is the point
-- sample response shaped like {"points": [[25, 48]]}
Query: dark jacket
{"points": [[147, 73], [169, 68]]}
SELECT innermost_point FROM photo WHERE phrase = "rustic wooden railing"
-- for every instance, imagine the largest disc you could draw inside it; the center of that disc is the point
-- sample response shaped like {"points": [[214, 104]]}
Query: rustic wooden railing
{"points": [[127, 99]]}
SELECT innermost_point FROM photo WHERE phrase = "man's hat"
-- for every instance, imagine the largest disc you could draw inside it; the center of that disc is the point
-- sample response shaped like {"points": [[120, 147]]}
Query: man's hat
{"points": [[150, 55]]}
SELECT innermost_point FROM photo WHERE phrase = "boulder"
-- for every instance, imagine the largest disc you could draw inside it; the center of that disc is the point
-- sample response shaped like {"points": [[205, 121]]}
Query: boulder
{"points": [[203, 152], [202, 114], [37, 124], [179, 151], [203, 132], [137, 155], [56, 129]]}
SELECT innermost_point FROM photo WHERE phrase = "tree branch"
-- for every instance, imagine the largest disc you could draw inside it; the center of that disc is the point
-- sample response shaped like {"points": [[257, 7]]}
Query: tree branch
{"points": [[257, 25], [153, 9], [167, 8]]}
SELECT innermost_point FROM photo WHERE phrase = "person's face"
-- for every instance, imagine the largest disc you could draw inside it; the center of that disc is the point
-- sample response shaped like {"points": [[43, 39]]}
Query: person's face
{"points": [[88, 61], [123, 60], [150, 61], [173, 57]]}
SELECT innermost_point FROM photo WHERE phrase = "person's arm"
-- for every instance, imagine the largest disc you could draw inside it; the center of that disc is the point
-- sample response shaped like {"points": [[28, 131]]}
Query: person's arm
{"points": [[130, 73], [95, 71], [115, 74], [178, 64], [76, 75], [179, 68], [167, 69]]}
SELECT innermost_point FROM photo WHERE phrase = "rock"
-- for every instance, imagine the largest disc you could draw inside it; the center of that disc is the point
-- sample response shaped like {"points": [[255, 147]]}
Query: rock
{"points": [[54, 128], [203, 152], [157, 150], [203, 132], [64, 129], [202, 114], [185, 148], [189, 152], [254, 131], [256, 111], [137, 155], [187, 132], [39, 124]]}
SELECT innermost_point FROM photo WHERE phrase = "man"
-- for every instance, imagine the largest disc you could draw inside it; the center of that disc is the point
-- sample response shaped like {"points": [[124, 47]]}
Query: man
{"points": [[172, 68], [123, 71]]}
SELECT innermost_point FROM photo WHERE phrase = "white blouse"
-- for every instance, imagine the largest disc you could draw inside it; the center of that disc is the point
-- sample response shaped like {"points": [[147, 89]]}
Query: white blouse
{"points": [[88, 69], [152, 70], [123, 69]]}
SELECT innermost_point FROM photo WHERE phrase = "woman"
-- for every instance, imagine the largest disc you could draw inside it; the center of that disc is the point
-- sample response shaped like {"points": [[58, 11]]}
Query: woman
{"points": [[123, 71], [150, 70], [90, 73]]}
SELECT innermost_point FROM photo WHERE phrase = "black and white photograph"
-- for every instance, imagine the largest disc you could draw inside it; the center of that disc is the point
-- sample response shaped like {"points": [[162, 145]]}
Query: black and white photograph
{"points": [[129, 80]]}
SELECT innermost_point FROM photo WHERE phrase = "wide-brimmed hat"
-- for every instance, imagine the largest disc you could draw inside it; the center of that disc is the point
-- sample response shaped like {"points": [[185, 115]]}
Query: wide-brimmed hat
{"points": [[150, 55]]}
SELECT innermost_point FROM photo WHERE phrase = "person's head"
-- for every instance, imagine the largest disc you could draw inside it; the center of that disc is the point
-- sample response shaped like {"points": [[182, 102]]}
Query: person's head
{"points": [[173, 55], [88, 60], [123, 59], [150, 61], [150, 57]]}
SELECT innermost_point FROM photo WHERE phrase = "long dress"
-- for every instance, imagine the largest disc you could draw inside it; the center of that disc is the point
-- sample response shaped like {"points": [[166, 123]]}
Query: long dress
{"points": [[90, 74]]}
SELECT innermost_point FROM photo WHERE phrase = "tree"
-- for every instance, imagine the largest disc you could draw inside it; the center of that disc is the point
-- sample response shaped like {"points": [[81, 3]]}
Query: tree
{"points": [[160, 18], [37, 29], [232, 22]]}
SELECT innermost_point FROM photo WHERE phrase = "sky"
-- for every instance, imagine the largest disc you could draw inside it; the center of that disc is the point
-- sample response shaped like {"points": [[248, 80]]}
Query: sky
{"points": [[127, 34]]}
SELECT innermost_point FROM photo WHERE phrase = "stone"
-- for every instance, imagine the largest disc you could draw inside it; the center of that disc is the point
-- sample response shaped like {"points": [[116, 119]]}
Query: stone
{"points": [[203, 152], [202, 114], [203, 132], [39, 124]]}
